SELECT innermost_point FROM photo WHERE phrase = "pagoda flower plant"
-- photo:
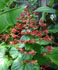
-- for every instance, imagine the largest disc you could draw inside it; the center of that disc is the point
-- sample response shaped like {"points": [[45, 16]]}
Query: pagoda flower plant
{"points": [[27, 45]]}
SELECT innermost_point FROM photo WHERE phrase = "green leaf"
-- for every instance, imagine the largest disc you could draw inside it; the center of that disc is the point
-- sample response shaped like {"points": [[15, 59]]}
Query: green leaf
{"points": [[45, 9], [53, 28], [2, 51], [14, 52], [42, 42], [3, 60], [27, 57], [55, 1], [54, 55], [3, 64], [24, 37], [32, 66], [21, 45], [18, 65], [53, 31], [14, 45], [41, 59], [43, 16], [9, 17], [51, 2], [3, 3]]}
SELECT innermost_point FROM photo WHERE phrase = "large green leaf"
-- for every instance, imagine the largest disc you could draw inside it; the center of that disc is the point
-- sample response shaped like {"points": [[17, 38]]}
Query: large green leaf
{"points": [[41, 59], [3, 3], [45, 9], [14, 52], [3, 64], [9, 17], [54, 55], [18, 65]]}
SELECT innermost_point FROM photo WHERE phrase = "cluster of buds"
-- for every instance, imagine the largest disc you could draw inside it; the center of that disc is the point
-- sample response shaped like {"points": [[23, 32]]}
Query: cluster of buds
{"points": [[4, 37], [43, 67], [30, 53], [14, 41], [49, 49], [47, 38], [20, 49], [29, 61]]}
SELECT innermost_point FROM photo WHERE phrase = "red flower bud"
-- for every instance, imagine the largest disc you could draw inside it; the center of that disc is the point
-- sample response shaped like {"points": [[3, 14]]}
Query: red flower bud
{"points": [[26, 53], [44, 54], [13, 30], [40, 21], [32, 52], [45, 31], [30, 17], [26, 9], [49, 48], [21, 50], [18, 18], [33, 61], [28, 14], [22, 14], [43, 25]]}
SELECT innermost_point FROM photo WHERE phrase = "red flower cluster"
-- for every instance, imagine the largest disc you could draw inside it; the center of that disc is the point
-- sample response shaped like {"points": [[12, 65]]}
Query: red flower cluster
{"points": [[28, 25], [29, 22]]}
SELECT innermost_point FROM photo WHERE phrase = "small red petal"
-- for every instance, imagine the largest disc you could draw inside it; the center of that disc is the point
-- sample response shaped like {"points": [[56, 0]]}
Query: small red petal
{"points": [[44, 53]]}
